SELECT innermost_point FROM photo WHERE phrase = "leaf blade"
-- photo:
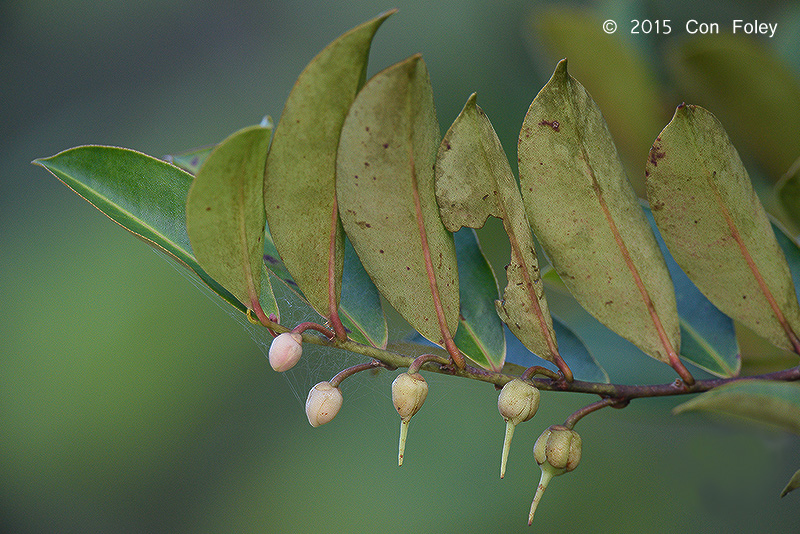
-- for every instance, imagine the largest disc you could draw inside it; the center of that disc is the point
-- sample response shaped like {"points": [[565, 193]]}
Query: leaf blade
{"points": [[301, 166], [708, 336], [225, 213], [587, 217], [110, 179], [763, 401], [360, 307], [474, 181], [716, 228], [792, 485], [480, 334], [615, 72], [385, 190]]}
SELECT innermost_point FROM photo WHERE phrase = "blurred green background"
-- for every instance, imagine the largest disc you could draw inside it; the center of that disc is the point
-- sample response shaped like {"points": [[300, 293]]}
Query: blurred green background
{"points": [[131, 402]]}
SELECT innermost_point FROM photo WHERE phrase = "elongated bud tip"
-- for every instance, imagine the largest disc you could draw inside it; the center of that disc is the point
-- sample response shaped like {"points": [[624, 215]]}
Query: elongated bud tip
{"points": [[323, 403], [402, 444], [518, 402], [409, 391], [506, 447], [547, 476], [557, 451], [285, 351]]}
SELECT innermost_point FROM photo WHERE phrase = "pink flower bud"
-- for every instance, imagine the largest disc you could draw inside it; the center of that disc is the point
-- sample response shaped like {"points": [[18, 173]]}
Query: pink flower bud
{"points": [[285, 351]]}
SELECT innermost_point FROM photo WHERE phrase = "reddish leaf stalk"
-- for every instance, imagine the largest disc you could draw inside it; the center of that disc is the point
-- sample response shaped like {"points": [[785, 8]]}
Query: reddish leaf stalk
{"points": [[449, 344], [762, 284], [530, 372], [586, 410], [537, 310], [672, 355], [333, 304], [256, 307], [302, 327], [421, 360]]}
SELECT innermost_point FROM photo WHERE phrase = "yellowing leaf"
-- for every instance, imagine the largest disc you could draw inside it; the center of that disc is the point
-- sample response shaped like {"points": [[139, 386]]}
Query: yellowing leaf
{"points": [[754, 93], [300, 188], [793, 484], [587, 217], [474, 181], [716, 229], [225, 214], [385, 188], [762, 401], [617, 75]]}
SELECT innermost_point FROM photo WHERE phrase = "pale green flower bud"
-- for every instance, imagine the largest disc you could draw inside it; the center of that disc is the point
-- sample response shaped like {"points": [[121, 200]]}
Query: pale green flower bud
{"points": [[558, 447], [518, 402], [409, 392], [557, 451]]}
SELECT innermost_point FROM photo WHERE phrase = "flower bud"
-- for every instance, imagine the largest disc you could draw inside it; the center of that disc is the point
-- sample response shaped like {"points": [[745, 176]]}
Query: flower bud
{"points": [[408, 394], [285, 351], [518, 402], [409, 391], [557, 451], [323, 403], [559, 447]]}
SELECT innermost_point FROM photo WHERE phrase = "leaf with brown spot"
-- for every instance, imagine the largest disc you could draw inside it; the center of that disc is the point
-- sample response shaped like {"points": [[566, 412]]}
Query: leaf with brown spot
{"points": [[402, 244], [300, 180], [716, 228], [474, 181], [587, 217]]}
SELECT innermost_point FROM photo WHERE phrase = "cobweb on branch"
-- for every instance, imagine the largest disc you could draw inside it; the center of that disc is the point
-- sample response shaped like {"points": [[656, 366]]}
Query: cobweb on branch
{"points": [[317, 363]]}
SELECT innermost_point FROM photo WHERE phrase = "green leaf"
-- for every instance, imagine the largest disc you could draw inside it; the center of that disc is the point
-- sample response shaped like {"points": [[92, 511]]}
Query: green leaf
{"points": [[360, 309], [793, 484], [716, 228], [774, 403], [791, 250], [480, 333], [788, 190], [754, 93], [583, 365], [614, 72], [225, 213], [144, 195], [190, 160], [588, 220], [385, 188], [273, 262], [300, 188], [474, 181]]}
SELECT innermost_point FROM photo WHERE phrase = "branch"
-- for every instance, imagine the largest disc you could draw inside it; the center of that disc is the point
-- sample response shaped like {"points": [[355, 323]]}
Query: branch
{"points": [[619, 393]]}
